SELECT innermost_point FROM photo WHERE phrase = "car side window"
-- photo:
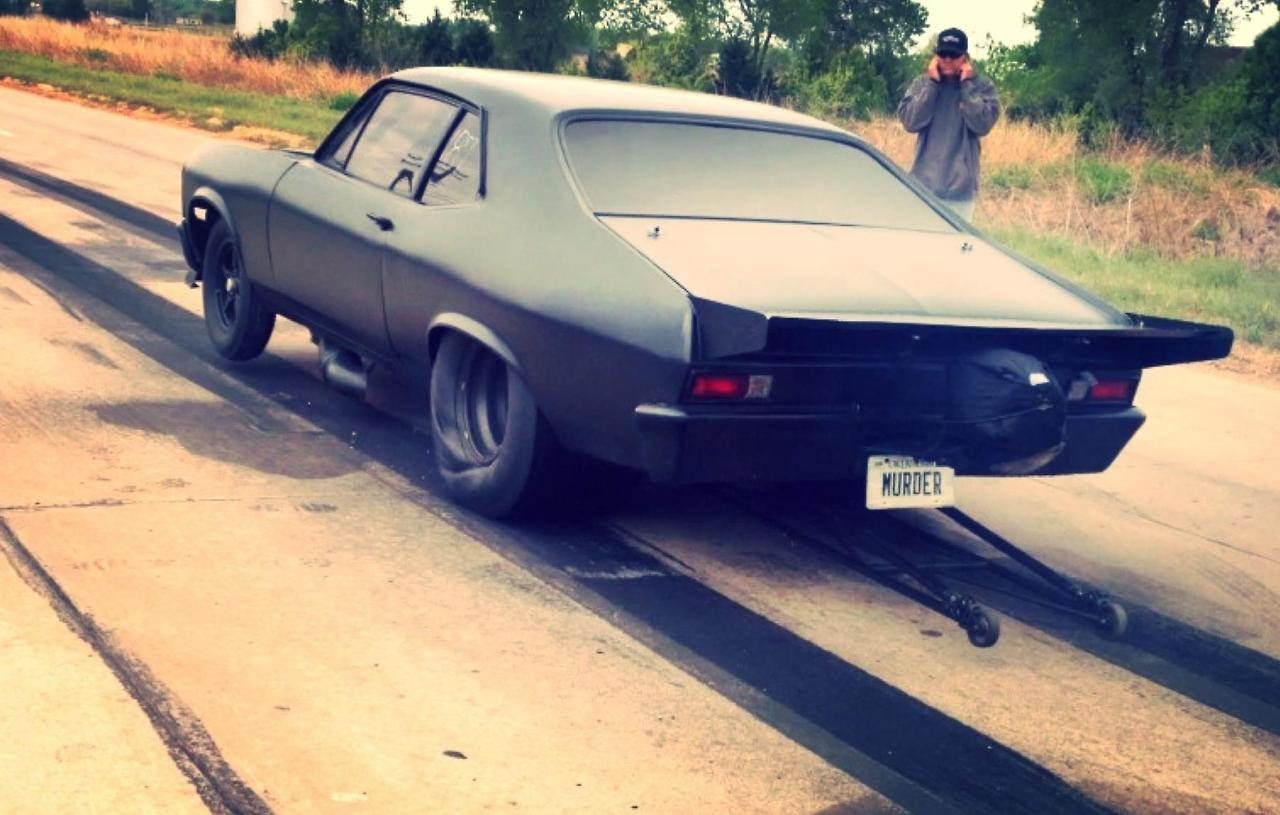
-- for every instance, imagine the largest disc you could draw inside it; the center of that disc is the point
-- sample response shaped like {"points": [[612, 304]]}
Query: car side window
{"points": [[455, 177], [399, 140], [338, 158]]}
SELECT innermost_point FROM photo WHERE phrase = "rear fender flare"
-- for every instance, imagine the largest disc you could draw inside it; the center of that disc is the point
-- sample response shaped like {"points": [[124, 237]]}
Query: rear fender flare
{"points": [[477, 331]]}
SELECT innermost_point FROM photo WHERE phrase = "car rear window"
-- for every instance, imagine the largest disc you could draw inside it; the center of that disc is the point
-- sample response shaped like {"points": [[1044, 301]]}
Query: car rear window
{"points": [[703, 171]]}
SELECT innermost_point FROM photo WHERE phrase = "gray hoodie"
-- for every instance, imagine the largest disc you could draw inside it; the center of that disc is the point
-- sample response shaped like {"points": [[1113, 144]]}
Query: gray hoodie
{"points": [[949, 117]]}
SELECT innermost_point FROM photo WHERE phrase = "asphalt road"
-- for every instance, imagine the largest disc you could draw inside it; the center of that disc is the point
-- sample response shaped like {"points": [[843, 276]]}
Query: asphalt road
{"points": [[230, 588]]}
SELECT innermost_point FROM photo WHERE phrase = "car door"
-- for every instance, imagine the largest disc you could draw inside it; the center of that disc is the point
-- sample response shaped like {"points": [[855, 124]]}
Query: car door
{"points": [[330, 217], [422, 263]]}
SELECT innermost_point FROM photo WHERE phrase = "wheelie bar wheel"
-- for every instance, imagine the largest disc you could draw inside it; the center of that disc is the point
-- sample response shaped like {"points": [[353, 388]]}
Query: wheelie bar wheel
{"points": [[1111, 618], [981, 624]]}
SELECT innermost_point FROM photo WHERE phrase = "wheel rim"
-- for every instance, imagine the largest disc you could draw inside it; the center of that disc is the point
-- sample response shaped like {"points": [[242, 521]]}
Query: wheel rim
{"points": [[481, 413], [227, 295]]}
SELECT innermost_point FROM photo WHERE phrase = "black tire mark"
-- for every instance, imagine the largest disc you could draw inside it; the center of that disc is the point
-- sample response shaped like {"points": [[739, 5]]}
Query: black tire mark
{"points": [[188, 743]]}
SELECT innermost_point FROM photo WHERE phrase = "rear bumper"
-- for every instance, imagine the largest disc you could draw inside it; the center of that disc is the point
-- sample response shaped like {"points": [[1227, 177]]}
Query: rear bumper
{"points": [[682, 446]]}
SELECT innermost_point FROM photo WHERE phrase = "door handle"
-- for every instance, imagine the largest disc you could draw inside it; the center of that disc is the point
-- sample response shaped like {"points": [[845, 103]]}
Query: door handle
{"points": [[384, 224]]}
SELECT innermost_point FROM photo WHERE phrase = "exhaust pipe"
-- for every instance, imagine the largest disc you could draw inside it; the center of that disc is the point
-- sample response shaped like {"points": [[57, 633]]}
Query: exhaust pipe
{"points": [[344, 370]]}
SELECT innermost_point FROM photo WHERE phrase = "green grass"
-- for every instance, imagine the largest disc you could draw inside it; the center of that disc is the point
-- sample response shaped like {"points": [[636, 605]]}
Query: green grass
{"points": [[1210, 289], [211, 108], [1103, 181]]}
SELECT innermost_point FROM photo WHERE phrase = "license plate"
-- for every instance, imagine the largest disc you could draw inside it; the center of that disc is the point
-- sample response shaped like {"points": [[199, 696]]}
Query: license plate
{"points": [[897, 482]]}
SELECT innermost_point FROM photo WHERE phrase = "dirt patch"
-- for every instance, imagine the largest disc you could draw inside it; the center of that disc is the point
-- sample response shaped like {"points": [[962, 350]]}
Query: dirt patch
{"points": [[1253, 363]]}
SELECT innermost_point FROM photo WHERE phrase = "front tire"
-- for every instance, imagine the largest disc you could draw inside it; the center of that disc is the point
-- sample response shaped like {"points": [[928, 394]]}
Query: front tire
{"points": [[492, 447], [239, 325]]}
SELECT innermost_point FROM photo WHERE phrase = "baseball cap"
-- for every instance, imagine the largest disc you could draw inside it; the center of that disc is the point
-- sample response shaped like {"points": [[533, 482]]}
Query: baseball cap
{"points": [[952, 43]]}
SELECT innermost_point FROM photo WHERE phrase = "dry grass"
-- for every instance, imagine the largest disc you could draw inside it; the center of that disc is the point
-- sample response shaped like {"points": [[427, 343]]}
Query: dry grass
{"points": [[1174, 206], [195, 58]]}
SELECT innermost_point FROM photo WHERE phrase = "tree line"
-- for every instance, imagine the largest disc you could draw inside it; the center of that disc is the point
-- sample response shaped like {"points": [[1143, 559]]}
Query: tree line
{"points": [[1153, 69]]}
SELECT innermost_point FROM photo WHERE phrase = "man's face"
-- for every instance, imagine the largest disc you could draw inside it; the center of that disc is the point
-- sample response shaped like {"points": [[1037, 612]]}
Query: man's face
{"points": [[949, 64]]}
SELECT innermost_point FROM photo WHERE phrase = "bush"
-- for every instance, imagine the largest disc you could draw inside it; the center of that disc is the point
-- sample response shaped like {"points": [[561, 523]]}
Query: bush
{"points": [[680, 59], [849, 89], [607, 65], [344, 101], [269, 43], [1103, 181]]}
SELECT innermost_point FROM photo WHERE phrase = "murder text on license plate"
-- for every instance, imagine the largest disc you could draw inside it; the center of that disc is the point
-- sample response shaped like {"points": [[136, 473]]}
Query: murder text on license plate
{"points": [[895, 482]]}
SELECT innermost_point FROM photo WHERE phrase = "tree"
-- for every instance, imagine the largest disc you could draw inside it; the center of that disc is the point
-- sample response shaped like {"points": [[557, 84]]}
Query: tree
{"points": [[1122, 58], [533, 35], [435, 42], [70, 10], [473, 43]]}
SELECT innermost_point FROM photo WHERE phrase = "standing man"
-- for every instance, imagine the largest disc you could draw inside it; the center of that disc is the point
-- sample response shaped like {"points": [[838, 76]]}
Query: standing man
{"points": [[950, 108]]}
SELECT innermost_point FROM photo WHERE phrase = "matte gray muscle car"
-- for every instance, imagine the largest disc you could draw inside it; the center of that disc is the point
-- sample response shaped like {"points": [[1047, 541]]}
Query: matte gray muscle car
{"points": [[693, 287]]}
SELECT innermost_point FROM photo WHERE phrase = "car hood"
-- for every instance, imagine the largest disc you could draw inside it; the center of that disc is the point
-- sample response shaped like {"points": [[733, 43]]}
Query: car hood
{"points": [[858, 273]]}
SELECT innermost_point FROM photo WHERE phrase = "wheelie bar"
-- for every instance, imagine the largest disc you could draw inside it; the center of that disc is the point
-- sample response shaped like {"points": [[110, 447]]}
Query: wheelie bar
{"points": [[1097, 607], [979, 623]]}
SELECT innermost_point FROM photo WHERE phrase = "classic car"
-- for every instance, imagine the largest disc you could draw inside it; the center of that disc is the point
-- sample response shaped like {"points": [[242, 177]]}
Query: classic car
{"points": [[688, 286]]}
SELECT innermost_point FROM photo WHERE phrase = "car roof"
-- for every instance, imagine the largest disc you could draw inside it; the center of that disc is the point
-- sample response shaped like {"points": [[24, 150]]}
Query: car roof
{"points": [[553, 94]]}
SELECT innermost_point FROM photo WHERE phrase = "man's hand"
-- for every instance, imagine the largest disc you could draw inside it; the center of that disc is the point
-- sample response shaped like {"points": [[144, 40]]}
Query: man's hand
{"points": [[934, 73], [966, 70]]}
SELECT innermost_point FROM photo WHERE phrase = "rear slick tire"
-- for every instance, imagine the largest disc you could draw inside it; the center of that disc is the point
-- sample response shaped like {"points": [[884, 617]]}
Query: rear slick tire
{"points": [[493, 449], [239, 325]]}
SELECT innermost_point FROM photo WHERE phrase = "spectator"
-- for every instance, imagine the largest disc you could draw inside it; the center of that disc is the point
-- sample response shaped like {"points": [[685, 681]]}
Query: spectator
{"points": [[950, 108]]}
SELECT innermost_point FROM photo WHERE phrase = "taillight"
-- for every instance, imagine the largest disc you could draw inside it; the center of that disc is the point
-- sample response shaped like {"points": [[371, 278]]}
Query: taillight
{"points": [[706, 386], [1111, 390], [1090, 388]]}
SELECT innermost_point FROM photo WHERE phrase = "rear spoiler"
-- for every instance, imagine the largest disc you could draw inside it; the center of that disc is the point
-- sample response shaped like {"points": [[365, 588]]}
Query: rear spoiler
{"points": [[725, 331]]}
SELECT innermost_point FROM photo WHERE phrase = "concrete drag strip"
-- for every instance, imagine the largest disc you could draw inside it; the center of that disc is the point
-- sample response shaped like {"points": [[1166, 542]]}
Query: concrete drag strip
{"points": [[74, 739], [339, 645]]}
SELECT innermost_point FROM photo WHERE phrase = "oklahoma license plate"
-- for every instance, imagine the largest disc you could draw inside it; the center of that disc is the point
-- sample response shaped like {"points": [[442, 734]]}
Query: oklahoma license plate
{"points": [[897, 482]]}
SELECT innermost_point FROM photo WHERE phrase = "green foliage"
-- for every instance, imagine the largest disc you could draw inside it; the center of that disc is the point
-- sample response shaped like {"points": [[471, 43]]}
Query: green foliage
{"points": [[473, 44], [1103, 181], [344, 101], [607, 65], [534, 35], [96, 55], [72, 11], [1170, 176], [737, 73], [435, 42], [1270, 175], [1009, 178], [1207, 230], [850, 88], [268, 43], [681, 59]]}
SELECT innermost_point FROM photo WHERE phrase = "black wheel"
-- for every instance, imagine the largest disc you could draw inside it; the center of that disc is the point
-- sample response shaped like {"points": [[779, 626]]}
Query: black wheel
{"points": [[983, 628], [1112, 619], [493, 449], [238, 324]]}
